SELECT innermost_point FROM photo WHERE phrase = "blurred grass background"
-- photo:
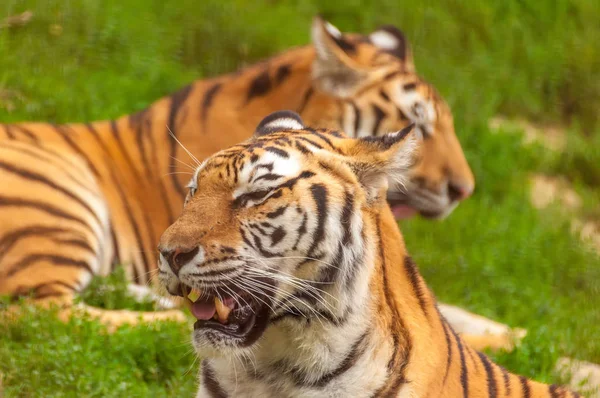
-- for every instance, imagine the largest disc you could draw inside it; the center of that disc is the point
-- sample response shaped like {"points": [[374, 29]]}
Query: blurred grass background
{"points": [[81, 60]]}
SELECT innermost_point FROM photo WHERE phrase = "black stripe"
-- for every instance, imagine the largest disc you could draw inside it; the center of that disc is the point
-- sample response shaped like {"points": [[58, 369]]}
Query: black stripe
{"points": [[413, 275], [207, 101], [506, 379], [491, 380], [344, 44], [177, 100], [24, 291], [448, 348], [259, 86], [409, 86], [383, 95], [116, 260], [391, 75], [147, 257], [9, 132], [464, 372], [346, 218], [75, 242], [30, 175], [307, 96], [283, 71], [401, 115], [277, 213], [357, 118], [56, 260], [304, 150], [149, 226], [269, 177], [336, 173], [29, 134], [159, 180], [210, 381], [117, 136], [277, 235], [19, 202], [41, 153], [311, 142], [277, 151], [324, 138], [379, 115], [401, 353], [301, 231], [319, 194], [11, 238], [137, 122], [354, 354], [554, 390], [525, 385], [66, 136]]}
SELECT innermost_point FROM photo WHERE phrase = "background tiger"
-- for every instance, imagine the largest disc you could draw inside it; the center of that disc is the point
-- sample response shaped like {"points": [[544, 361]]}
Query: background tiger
{"points": [[89, 196], [305, 286]]}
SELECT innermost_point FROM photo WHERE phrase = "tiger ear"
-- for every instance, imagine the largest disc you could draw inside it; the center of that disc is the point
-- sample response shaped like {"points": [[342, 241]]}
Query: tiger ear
{"points": [[334, 71], [376, 160], [279, 121], [391, 40]]}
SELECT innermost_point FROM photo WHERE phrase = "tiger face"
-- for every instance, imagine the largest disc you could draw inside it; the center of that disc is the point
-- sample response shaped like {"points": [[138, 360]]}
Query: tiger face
{"points": [[273, 229], [377, 91]]}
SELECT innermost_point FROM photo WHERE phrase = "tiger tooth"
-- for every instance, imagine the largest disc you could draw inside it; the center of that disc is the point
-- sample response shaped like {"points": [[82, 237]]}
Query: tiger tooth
{"points": [[185, 291], [222, 310]]}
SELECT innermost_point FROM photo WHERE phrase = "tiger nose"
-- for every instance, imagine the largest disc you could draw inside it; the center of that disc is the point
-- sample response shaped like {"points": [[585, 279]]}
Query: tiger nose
{"points": [[458, 192], [179, 257]]}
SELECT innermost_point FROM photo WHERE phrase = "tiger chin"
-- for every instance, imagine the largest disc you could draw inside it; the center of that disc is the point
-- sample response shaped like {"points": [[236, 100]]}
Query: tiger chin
{"points": [[292, 263]]}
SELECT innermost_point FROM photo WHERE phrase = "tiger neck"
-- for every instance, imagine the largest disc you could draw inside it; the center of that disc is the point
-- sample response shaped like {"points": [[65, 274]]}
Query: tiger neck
{"points": [[367, 350]]}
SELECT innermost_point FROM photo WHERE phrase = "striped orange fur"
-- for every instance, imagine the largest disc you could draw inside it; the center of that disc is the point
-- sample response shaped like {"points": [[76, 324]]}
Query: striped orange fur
{"points": [[77, 199], [291, 231]]}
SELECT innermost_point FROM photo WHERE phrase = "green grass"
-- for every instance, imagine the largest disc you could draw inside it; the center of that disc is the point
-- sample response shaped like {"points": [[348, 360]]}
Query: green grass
{"points": [[495, 255]]}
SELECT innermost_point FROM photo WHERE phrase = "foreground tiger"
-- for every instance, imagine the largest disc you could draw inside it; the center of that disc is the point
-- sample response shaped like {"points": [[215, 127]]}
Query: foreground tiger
{"points": [[76, 200], [306, 288]]}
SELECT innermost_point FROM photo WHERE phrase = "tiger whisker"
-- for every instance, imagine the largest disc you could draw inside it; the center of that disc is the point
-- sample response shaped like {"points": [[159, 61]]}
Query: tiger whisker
{"points": [[246, 282], [183, 163], [183, 146], [284, 302], [307, 289]]}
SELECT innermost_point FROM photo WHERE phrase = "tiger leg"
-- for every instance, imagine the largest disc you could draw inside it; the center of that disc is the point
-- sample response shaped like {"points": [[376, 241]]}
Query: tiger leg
{"points": [[480, 332], [55, 232]]}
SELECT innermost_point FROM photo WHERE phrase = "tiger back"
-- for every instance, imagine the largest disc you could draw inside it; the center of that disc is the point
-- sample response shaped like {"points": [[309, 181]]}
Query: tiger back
{"points": [[134, 170]]}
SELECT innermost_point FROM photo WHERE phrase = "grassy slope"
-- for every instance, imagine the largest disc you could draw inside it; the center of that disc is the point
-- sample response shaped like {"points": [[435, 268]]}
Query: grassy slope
{"points": [[495, 255]]}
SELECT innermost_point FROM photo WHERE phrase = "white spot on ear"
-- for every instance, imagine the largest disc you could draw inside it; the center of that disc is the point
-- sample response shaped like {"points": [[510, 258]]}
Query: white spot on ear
{"points": [[284, 124], [385, 40], [333, 31]]}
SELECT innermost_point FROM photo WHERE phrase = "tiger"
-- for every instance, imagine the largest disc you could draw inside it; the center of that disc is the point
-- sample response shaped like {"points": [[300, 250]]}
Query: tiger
{"points": [[78, 199], [294, 267]]}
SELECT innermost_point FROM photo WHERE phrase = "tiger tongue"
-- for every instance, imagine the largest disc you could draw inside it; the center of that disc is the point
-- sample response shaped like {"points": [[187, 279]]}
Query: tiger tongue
{"points": [[204, 310]]}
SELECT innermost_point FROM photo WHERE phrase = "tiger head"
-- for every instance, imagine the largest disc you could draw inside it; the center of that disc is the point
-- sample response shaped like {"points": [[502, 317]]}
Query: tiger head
{"points": [[275, 230], [367, 85]]}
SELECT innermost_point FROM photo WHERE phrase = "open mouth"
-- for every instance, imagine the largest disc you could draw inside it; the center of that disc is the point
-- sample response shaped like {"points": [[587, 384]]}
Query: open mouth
{"points": [[229, 311]]}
